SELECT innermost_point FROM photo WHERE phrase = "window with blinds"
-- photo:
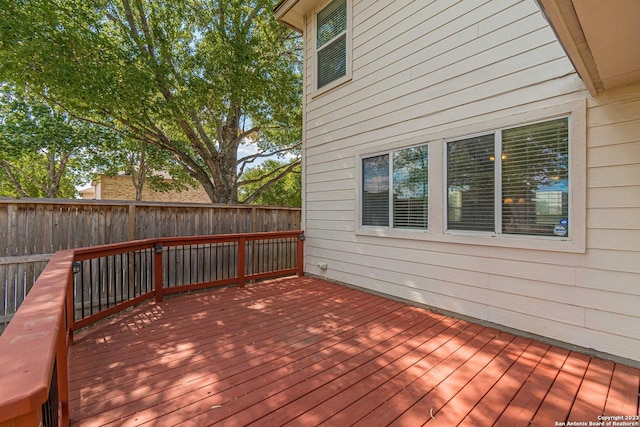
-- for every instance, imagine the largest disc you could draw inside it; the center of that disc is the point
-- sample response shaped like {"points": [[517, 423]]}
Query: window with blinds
{"points": [[411, 188], [331, 42], [375, 191], [535, 179], [470, 184], [403, 174], [525, 185]]}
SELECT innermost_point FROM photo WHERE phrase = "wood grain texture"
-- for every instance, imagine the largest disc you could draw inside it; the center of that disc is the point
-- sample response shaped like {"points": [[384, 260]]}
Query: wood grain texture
{"points": [[302, 351]]}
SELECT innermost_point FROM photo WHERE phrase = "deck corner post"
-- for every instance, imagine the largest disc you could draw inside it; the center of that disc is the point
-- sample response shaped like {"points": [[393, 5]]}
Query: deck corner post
{"points": [[242, 243], [300, 255], [157, 273]]}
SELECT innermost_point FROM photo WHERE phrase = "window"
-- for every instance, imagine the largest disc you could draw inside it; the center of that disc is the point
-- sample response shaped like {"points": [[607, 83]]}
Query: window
{"points": [[331, 43], [523, 190], [406, 178]]}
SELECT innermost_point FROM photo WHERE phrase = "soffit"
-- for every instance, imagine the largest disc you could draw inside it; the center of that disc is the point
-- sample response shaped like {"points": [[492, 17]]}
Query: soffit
{"points": [[602, 38], [292, 12]]}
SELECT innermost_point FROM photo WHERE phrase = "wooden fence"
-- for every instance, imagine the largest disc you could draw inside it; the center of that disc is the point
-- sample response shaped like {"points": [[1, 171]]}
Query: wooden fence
{"points": [[65, 299], [31, 230]]}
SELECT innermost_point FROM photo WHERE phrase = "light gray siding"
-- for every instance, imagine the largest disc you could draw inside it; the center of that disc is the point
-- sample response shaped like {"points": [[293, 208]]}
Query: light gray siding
{"points": [[427, 70]]}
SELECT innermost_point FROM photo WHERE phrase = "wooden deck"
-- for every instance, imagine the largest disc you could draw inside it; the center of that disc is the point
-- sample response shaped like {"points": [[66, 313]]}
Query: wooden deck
{"points": [[305, 352]]}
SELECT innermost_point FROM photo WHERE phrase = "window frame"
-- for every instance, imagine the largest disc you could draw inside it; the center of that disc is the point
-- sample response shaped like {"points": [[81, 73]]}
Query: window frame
{"points": [[437, 210], [497, 182], [390, 198], [348, 47]]}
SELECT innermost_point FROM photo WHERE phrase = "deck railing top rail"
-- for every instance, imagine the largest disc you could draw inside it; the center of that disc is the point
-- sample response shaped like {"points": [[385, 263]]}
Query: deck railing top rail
{"points": [[31, 342], [34, 345]]}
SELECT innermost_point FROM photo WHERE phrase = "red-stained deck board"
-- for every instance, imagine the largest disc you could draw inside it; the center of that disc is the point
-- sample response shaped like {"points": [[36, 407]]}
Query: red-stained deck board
{"points": [[466, 398], [367, 403], [214, 344], [175, 397], [436, 401], [301, 351], [558, 402], [492, 404], [330, 352], [592, 395], [353, 370], [406, 397], [349, 392], [312, 377]]}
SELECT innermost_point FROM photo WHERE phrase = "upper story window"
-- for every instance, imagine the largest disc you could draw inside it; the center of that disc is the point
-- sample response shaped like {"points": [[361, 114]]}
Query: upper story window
{"points": [[522, 190], [331, 43], [395, 189]]}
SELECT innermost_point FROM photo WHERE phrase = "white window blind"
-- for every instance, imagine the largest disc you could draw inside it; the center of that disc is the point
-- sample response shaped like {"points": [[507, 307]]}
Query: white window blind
{"points": [[411, 188], [470, 184], [331, 42], [375, 189], [535, 171]]}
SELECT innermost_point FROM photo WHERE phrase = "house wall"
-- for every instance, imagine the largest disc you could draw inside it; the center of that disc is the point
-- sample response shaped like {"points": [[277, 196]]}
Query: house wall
{"points": [[120, 187], [423, 71]]}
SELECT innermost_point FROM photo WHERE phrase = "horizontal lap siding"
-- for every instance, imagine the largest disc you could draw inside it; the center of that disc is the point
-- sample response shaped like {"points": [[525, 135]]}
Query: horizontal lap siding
{"points": [[423, 68]]}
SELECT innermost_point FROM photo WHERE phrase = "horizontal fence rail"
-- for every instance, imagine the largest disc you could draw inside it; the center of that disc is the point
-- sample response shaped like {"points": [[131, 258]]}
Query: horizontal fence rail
{"points": [[80, 287]]}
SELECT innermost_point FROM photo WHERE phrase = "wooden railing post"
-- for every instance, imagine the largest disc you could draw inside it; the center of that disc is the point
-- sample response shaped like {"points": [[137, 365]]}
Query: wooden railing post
{"points": [[300, 255], [70, 308], [157, 272], [242, 243], [62, 373]]}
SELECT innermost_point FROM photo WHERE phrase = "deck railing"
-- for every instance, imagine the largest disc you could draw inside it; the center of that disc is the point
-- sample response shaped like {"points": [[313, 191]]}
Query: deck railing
{"points": [[80, 287]]}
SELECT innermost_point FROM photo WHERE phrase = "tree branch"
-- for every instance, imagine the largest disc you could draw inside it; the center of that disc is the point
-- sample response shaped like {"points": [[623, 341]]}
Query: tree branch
{"points": [[266, 185], [8, 168], [253, 157]]}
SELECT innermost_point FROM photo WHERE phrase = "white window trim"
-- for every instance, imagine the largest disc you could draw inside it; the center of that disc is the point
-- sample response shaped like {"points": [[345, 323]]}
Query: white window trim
{"points": [[575, 243], [347, 77]]}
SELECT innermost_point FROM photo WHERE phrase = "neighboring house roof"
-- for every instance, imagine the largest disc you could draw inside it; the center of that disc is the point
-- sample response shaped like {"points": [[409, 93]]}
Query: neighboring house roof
{"points": [[602, 39], [88, 192]]}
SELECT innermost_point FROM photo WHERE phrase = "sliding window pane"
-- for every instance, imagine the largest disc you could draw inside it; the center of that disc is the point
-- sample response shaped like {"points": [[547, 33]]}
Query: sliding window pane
{"points": [[411, 188], [470, 184], [535, 179], [375, 190]]}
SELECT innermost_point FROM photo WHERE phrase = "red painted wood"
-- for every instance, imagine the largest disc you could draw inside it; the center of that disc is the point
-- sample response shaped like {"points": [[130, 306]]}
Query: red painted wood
{"points": [[490, 407], [558, 402], [157, 275], [592, 395], [301, 351], [467, 397], [31, 342], [525, 404], [437, 336], [623, 396], [83, 323], [436, 400]]}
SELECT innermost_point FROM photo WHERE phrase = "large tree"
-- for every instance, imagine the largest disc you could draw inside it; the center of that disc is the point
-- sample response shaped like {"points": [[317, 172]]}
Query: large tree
{"points": [[43, 151], [197, 78]]}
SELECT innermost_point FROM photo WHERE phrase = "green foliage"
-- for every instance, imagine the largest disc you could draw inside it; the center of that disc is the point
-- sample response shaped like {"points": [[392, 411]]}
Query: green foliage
{"points": [[43, 151], [286, 191], [194, 78]]}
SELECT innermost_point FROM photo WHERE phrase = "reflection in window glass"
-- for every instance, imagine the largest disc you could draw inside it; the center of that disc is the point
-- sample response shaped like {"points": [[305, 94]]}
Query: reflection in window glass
{"points": [[375, 189], [331, 42], [470, 184], [535, 170], [411, 187]]}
